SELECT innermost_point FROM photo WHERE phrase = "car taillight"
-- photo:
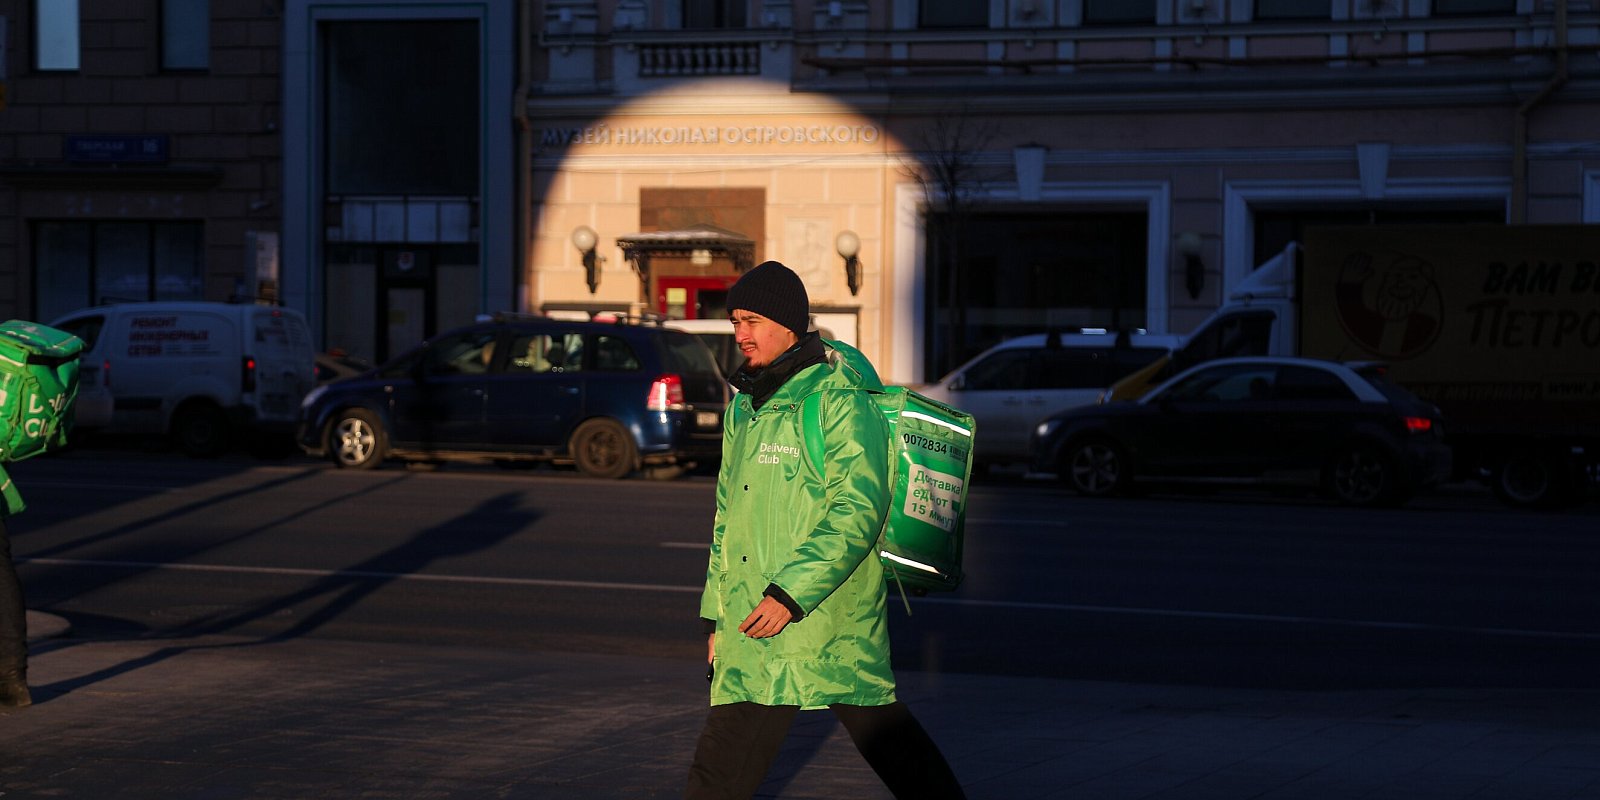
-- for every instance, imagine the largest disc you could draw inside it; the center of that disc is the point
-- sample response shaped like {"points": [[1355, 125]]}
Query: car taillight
{"points": [[1418, 424], [248, 378], [105, 373], [666, 394]]}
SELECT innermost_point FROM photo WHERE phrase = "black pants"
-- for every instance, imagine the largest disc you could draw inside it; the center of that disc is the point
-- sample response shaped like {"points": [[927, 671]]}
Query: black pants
{"points": [[13, 617], [741, 740]]}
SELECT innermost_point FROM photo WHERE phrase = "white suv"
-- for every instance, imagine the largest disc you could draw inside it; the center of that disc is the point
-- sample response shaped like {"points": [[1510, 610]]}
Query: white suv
{"points": [[1012, 386]]}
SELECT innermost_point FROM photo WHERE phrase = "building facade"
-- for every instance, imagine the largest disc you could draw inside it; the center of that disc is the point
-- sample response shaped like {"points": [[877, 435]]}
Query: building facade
{"points": [[351, 159], [139, 153], [942, 173], [947, 174]]}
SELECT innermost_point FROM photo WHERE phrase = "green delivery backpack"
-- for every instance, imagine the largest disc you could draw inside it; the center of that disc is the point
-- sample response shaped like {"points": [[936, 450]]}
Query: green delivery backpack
{"points": [[930, 465], [38, 384]]}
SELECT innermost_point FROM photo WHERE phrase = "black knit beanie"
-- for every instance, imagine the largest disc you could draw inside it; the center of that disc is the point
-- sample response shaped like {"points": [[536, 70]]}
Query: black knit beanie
{"points": [[775, 292]]}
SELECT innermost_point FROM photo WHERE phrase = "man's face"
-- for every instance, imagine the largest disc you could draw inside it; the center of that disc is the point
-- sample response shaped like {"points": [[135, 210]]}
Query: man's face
{"points": [[760, 339]]}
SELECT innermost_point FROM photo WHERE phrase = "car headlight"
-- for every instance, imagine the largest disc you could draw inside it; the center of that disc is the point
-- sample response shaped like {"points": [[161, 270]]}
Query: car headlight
{"points": [[311, 396], [1046, 428]]}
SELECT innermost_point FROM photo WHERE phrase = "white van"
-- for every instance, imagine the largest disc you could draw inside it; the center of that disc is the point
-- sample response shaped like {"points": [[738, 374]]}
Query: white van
{"points": [[1010, 387], [200, 372]]}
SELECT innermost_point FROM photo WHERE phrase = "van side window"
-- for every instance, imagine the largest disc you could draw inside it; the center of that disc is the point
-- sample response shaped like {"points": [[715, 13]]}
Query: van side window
{"points": [[614, 354], [540, 353], [1006, 370], [1074, 368], [466, 353]]}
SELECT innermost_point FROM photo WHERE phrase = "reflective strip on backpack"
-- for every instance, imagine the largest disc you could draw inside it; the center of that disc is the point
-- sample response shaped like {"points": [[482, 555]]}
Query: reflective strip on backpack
{"points": [[936, 421]]}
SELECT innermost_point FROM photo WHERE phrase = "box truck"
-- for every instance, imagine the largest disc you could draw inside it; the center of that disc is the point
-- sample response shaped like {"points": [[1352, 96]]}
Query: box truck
{"points": [[1498, 326]]}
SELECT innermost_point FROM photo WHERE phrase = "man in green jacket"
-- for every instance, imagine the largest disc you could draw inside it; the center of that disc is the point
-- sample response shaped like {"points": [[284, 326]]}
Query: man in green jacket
{"points": [[795, 602]]}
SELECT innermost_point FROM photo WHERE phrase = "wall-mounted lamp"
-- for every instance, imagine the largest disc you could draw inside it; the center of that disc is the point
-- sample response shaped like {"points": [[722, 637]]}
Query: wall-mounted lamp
{"points": [[849, 244], [585, 239], [1194, 270]]}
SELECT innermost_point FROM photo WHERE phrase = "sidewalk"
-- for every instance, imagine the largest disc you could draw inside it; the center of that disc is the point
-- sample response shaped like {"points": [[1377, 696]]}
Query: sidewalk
{"points": [[309, 718]]}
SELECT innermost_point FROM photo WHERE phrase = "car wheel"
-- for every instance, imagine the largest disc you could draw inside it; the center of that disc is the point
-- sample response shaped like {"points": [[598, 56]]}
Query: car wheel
{"points": [[602, 448], [1096, 468], [1534, 479], [201, 431], [357, 439], [1362, 475]]}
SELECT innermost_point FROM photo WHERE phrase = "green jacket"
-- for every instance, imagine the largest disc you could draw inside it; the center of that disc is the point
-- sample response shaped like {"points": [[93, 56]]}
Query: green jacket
{"points": [[812, 530]]}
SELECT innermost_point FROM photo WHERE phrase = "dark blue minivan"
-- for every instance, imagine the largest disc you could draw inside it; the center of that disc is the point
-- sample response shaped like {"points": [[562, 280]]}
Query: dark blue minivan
{"points": [[610, 398]]}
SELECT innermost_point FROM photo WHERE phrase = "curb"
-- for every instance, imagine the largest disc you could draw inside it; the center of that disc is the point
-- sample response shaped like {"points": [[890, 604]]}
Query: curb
{"points": [[46, 626]]}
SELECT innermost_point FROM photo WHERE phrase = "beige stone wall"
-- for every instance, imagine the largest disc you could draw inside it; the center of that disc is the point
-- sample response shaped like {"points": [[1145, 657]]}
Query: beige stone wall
{"points": [[824, 168]]}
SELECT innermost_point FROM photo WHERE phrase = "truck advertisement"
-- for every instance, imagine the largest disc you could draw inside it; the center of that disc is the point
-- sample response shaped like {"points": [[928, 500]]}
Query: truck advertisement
{"points": [[1498, 326]]}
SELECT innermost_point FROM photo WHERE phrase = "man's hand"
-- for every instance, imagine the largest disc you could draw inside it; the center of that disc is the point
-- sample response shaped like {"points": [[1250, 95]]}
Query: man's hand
{"points": [[768, 620], [711, 647]]}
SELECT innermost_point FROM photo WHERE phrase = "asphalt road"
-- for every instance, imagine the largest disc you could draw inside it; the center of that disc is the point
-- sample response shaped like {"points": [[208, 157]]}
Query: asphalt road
{"points": [[1225, 590]]}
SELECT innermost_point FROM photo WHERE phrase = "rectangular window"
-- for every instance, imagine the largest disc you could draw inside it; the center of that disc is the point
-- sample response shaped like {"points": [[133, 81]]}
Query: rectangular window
{"points": [[402, 107], [185, 34], [1293, 9], [1452, 8], [714, 13], [55, 35], [953, 14], [1119, 12], [80, 264]]}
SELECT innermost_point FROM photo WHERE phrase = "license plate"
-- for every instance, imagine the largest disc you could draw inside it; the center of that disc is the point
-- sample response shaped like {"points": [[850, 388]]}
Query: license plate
{"points": [[705, 419]]}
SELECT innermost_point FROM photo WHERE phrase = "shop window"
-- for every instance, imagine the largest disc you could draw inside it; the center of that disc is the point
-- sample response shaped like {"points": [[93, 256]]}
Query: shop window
{"points": [[1119, 12], [714, 13], [953, 14], [185, 34], [80, 264], [1293, 9], [1461, 8], [55, 35]]}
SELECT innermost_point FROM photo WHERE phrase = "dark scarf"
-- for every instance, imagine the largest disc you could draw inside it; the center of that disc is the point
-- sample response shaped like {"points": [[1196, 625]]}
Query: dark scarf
{"points": [[761, 384]]}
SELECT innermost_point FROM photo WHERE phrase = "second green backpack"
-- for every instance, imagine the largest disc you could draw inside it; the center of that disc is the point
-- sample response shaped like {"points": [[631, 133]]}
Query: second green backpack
{"points": [[38, 384]]}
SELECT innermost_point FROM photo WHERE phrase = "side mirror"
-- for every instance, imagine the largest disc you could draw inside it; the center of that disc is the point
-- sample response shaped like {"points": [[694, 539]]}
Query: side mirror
{"points": [[958, 383]]}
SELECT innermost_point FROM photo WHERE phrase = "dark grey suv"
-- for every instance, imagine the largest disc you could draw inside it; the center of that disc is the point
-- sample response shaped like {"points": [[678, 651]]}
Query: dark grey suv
{"points": [[610, 398]]}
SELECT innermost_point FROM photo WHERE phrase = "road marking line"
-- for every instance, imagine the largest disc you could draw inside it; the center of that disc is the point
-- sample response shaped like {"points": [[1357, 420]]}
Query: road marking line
{"points": [[357, 573], [950, 601]]}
